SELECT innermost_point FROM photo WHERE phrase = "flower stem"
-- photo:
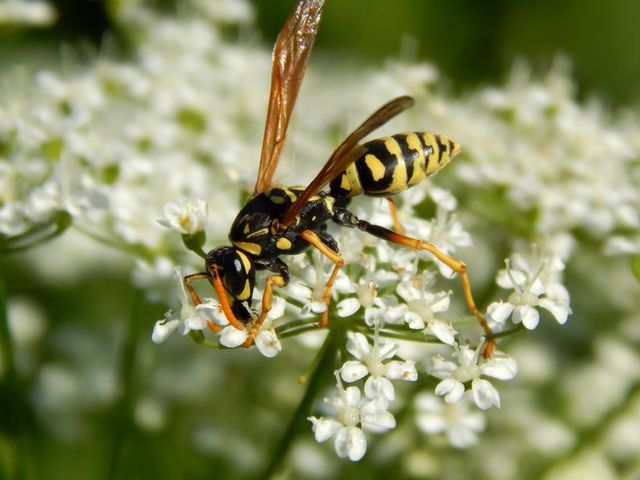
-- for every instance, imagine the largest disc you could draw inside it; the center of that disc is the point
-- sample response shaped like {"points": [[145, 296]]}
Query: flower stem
{"points": [[13, 401], [325, 362], [38, 234], [505, 333], [123, 410]]}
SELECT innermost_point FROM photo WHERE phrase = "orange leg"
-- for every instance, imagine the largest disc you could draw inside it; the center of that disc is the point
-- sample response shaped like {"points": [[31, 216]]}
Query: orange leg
{"points": [[393, 209], [222, 296], [188, 281], [454, 264], [267, 298], [313, 238]]}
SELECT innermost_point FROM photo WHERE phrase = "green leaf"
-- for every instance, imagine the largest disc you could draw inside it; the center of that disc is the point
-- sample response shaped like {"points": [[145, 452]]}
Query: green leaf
{"points": [[635, 266]]}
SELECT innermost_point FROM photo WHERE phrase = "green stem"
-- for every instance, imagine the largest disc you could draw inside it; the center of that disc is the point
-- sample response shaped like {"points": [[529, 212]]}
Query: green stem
{"points": [[123, 410], [505, 333], [117, 244], [38, 234], [14, 401], [198, 337], [325, 362]]}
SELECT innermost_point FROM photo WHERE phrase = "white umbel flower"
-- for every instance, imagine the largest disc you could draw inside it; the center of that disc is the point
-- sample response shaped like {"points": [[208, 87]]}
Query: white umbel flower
{"points": [[422, 309], [188, 319], [460, 425], [353, 415], [532, 289], [186, 215], [470, 368], [370, 360]]}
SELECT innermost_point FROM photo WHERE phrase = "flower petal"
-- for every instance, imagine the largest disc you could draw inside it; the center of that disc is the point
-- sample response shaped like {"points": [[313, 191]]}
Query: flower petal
{"points": [[500, 367], [352, 396], [375, 387], [267, 343], [498, 312], [277, 308], [376, 419], [324, 428], [414, 321], [357, 345], [431, 423], [231, 337], [162, 329], [560, 311], [485, 395], [451, 389], [443, 331], [528, 315], [353, 371], [397, 370], [348, 307], [350, 442], [441, 368]]}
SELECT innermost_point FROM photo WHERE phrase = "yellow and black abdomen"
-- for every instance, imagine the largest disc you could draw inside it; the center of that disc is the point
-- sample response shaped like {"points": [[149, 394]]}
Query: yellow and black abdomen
{"points": [[390, 165]]}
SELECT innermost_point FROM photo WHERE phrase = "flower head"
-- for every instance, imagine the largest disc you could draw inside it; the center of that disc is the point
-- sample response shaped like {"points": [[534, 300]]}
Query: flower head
{"points": [[471, 366], [185, 215], [534, 286], [352, 416], [189, 318], [370, 360]]}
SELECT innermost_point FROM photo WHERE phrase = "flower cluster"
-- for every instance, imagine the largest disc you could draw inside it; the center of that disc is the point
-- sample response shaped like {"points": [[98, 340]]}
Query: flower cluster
{"points": [[171, 136]]}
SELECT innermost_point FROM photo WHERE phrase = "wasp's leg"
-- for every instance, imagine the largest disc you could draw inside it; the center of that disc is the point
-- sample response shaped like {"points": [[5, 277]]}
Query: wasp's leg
{"points": [[224, 301], [346, 218], [267, 297], [188, 281], [313, 238], [393, 209]]}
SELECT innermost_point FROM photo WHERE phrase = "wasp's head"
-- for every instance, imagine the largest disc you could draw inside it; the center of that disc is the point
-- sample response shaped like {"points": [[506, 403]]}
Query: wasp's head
{"points": [[236, 270]]}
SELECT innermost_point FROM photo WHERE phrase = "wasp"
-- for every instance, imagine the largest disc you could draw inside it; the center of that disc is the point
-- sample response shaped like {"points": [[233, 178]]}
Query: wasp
{"points": [[279, 220]]}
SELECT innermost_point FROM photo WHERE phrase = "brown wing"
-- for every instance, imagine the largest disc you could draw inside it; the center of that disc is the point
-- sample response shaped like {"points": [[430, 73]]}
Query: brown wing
{"points": [[290, 59], [347, 152]]}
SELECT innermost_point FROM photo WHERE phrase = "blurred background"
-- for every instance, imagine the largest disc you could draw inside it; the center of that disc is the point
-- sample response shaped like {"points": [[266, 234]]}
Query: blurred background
{"points": [[472, 43]]}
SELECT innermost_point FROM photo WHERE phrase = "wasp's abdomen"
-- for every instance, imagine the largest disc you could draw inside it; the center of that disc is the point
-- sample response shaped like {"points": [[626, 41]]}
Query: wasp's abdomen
{"points": [[393, 164]]}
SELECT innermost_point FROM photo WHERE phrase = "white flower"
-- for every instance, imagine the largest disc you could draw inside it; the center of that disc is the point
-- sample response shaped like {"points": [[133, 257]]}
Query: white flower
{"points": [[422, 308], [532, 289], [266, 340], [353, 414], [470, 368], [35, 13], [309, 285], [457, 422], [366, 289], [445, 231], [188, 319], [187, 216], [163, 328], [312, 299], [370, 361], [231, 337], [268, 343]]}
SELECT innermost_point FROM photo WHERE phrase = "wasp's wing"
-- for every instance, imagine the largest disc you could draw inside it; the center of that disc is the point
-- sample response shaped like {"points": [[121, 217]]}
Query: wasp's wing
{"points": [[347, 152], [290, 59]]}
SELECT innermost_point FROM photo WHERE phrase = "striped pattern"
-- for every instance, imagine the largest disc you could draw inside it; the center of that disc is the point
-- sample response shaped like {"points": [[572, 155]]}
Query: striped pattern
{"points": [[390, 165]]}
